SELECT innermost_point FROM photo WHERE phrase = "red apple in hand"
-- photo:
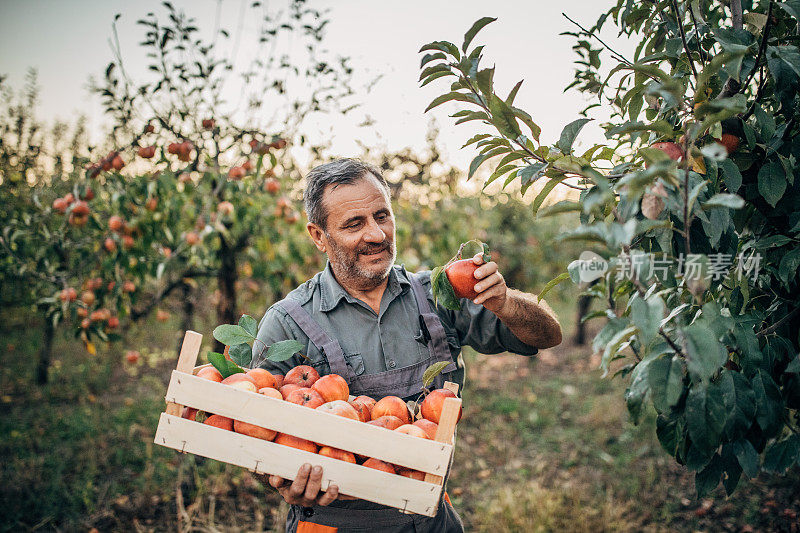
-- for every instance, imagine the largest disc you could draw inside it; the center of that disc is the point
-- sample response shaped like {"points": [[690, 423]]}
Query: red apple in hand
{"points": [[391, 405], [431, 407], [332, 387], [461, 275], [302, 375]]}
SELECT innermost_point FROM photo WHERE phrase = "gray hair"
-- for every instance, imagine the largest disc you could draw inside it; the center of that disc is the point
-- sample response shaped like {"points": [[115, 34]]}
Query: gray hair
{"points": [[339, 172]]}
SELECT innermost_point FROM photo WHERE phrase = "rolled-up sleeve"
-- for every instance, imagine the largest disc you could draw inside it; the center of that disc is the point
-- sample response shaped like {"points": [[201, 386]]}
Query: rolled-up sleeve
{"points": [[480, 329]]}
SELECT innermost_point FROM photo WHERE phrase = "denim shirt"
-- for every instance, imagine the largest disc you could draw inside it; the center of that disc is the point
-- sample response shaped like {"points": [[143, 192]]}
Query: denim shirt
{"points": [[390, 339]]}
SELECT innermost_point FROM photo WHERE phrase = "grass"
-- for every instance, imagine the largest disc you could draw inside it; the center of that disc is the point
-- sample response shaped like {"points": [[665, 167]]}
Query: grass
{"points": [[545, 445]]}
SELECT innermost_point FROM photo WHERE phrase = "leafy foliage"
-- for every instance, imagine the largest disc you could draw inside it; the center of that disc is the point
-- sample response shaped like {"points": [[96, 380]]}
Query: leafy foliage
{"points": [[700, 166]]}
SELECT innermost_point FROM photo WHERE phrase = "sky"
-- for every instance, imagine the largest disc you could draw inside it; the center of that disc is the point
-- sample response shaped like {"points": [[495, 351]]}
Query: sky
{"points": [[67, 41]]}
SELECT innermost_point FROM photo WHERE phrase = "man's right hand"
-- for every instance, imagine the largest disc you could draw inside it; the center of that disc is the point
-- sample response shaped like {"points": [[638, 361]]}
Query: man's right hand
{"points": [[305, 489]]}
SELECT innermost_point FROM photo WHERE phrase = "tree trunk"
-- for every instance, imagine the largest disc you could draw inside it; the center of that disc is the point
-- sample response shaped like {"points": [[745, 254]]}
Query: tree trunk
{"points": [[46, 352], [584, 302], [226, 283]]}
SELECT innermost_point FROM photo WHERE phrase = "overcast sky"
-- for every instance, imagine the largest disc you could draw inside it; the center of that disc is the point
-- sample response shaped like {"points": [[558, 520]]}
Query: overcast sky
{"points": [[67, 41]]}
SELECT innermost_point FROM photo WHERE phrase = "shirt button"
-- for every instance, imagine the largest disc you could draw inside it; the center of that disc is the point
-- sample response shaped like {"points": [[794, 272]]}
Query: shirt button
{"points": [[392, 364]]}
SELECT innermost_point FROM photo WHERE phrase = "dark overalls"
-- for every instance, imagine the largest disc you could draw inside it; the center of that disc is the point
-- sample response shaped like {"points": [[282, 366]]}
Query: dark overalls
{"points": [[345, 516]]}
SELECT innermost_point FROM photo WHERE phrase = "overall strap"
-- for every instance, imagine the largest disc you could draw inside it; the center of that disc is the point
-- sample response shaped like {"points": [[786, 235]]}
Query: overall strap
{"points": [[328, 346], [440, 350]]}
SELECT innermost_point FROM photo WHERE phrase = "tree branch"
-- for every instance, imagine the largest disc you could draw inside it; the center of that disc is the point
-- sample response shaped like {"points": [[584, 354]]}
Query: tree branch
{"points": [[774, 327], [679, 19], [136, 314]]}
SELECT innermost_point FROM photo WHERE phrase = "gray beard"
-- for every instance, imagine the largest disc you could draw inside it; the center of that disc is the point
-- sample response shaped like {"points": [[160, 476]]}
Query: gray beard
{"points": [[350, 272]]}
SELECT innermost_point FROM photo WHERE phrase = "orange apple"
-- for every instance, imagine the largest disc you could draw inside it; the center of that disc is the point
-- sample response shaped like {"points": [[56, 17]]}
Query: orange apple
{"points": [[332, 387], [272, 393], [220, 421], [209, 372], [339, 408], [305, 396], [302, 375], [253, 430], [362, 410], [190, 413], [278, 380], [336, 453], [388, 422], [431, 407], [414, 431], [394, 406], [296, 442], [261, 377], [377, 464], [428, 426]]}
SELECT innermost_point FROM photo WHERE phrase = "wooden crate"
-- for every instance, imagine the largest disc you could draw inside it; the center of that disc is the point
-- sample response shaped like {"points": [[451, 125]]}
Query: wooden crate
{"points": [[406, 494]]}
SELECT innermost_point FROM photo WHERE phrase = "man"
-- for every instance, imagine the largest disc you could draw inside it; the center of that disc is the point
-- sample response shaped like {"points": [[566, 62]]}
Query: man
{"points": [[369, 320]]}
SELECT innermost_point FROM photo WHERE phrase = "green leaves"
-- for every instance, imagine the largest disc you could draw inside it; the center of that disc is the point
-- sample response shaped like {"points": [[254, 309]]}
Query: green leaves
{"points": [[442, 290], [772, 182], [241, 339], [432, 371], [705, 354], [646, 316], [503, 117], [477, 26], [232, 335], [665, 378], [731, 201], [569, 133], [224, 366], [283, 350], [705, 416]]}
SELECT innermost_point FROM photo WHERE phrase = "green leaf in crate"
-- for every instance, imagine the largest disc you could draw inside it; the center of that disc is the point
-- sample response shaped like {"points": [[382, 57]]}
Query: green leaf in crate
{"points": [[283, 350], [241, 354], [224, 366], [432, 371], [231, 335]]}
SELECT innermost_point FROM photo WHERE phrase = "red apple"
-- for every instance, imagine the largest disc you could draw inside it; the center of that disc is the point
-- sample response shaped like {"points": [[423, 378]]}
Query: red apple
{"points": [[339, 408], [391, 405], [414, 431], [296, 442], [413, 474], [289, 388], [377, 464], [305, 396], [461, 275], [332, 387], [209, 372], [278, 380], [336, 453], [302, 375], [220, 421], [362, 410], [261, 377], [388, 422], [189, 413], [428, 426], [253, 430], [272, 393], [240, 381], [431, 407]]}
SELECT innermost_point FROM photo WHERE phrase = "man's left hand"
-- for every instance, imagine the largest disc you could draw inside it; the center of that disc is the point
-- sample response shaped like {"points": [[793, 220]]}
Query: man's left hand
{"points": [[491, 287]]}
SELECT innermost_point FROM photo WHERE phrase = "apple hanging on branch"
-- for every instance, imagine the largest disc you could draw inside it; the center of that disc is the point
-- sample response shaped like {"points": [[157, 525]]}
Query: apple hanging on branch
{"points": [[456, 279]]}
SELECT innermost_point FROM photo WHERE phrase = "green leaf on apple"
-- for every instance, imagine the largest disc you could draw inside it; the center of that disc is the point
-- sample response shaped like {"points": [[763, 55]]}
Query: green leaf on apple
{"points": [[224, 366], [432, 371], [442, 290]]}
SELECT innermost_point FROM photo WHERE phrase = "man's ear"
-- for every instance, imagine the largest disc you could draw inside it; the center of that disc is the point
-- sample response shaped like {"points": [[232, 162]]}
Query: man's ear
{"points": [[317, 235]]}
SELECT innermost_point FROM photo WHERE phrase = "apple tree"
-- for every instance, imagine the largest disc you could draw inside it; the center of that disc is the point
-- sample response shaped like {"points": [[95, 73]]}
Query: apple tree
{"points": [[693, 201]]}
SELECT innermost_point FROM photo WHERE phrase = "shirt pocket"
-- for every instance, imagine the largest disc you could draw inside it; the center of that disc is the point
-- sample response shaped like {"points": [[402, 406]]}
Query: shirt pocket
{"points": [[355, 362]]}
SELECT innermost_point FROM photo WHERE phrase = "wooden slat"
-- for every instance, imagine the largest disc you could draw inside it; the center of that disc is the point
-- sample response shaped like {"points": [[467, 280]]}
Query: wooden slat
{"points": [[447, 427], [310, 424], [268, 457], [452, 387], [186, 361]]}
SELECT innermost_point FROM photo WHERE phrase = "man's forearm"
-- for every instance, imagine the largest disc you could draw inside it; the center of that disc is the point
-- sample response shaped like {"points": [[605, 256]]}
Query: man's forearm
{"points": [[530, 320]]}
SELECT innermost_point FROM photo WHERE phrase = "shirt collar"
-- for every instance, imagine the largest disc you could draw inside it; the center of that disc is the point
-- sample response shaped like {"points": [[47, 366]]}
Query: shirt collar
{"points": [[331, 292]]}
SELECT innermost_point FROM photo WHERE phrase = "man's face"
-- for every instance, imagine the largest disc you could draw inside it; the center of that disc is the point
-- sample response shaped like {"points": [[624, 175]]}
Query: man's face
{"points": [[359, 233]]}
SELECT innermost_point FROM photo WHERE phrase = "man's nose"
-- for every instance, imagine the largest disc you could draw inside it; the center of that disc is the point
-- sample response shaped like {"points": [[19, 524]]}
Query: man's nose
{"points": [[374, 233]]}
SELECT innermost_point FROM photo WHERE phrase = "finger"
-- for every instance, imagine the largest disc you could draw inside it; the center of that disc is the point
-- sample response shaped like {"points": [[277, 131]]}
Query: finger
{"points": [[478, 258], [276, 481], [486, 270], [329, 495], [298, 486], [488, 282], [314, 483], [497, 291]]}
